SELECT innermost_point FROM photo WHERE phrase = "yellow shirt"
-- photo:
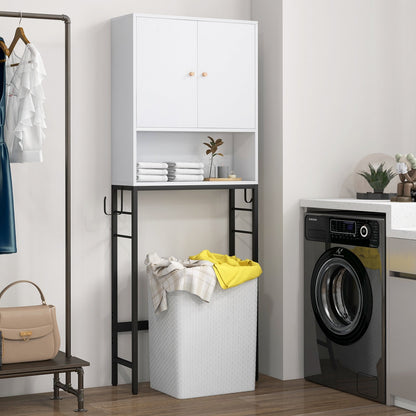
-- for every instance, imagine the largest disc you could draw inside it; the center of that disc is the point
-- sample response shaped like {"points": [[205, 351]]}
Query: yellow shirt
{"points": [[230, 270]]}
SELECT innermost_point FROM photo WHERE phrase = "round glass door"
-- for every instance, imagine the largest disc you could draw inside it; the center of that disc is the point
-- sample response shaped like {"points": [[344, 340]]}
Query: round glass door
{"points": [[341, 296]]}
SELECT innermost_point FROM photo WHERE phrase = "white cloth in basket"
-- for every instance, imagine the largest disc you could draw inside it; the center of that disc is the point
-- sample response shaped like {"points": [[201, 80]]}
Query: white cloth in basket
{"points": [[169, 274]]}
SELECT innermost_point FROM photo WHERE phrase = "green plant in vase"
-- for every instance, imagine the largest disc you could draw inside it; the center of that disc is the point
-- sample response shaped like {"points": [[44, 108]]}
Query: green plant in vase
{"points": [[378, 178], [213, 146]]}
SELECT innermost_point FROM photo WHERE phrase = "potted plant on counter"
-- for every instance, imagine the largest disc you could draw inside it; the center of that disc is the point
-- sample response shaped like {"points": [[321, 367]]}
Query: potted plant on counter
{"points": [[378, 179]]}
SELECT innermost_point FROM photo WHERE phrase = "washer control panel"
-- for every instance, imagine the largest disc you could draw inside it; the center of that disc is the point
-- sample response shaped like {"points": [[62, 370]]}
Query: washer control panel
{"points": [[361, 232], [342, 230]]}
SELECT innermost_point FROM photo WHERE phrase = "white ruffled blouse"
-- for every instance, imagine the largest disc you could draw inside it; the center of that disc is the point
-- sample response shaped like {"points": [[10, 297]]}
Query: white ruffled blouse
{"points": [[25, 115]]}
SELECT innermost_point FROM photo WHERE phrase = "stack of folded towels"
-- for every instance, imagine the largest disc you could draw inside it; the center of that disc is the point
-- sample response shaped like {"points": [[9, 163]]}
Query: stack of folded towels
{"points": [[152, 172], [185, 171]]}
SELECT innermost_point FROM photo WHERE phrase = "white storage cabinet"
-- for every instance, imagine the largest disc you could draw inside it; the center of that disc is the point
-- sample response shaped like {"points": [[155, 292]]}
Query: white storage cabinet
{"points": [[401, 325], [195, 74], [176, 80]]}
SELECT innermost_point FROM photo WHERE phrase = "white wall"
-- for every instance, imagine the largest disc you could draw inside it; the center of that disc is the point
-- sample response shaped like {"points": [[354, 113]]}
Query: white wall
{"points": [[348, 91], [172, 223], [269, 13]]}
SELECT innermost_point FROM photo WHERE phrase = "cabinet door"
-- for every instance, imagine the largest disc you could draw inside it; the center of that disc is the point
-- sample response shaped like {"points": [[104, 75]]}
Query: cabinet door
{"points": [[226, 75], [166, 60], [401, 325], [402, 338]]}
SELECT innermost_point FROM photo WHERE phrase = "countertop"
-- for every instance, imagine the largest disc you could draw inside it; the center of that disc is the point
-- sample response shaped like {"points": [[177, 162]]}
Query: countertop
{"points": [[400, 216]]}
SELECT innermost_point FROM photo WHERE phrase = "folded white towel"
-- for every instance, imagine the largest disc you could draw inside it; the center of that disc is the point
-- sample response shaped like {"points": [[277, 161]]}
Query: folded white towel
{"points": [[185, 178], [187, 165], [146, 171], [182, 171], [152, 165], [152, 178]]}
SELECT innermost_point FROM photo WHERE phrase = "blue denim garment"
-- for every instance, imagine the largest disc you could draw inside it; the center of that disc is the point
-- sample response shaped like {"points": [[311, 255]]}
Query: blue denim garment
{"points": [[7, 227]]}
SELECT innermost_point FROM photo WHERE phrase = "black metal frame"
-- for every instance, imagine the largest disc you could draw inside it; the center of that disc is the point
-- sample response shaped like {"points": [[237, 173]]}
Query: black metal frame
{"points": [[64, 363], [135, 325]]}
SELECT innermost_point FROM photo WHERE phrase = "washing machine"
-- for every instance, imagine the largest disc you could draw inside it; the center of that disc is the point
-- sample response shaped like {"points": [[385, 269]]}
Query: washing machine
{"points": [[345, 313]]}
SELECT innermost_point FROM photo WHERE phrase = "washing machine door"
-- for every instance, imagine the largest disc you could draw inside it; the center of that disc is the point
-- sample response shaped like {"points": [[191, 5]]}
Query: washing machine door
{"points": [[341, 296]]}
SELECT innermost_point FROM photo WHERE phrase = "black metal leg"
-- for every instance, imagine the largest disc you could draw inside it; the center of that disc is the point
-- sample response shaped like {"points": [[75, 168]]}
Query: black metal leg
{"points": [[80, 391], [134, 326], [255, 256], [68, 379], [134, 292], [231, 222], [255, 224], [114, 287], [56, 387]]}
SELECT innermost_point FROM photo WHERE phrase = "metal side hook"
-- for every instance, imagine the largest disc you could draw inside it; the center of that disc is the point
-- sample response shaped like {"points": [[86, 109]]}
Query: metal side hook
{"points": [[245, 197], [115, 212], [105, 207]]}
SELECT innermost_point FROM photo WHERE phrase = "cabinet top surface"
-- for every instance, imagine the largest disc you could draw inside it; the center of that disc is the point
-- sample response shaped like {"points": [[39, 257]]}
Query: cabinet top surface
{"points": [[189, 185], [351, 204], [204, 19], [404, 233]]}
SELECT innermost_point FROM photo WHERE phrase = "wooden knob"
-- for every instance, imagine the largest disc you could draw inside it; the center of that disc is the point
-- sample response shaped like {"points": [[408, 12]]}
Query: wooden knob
{"points": [[205, 74], [191, 74]]}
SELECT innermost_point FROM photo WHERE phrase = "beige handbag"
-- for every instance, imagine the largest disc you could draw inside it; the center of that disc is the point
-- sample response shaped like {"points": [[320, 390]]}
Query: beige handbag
{"points": [[30, 333]]}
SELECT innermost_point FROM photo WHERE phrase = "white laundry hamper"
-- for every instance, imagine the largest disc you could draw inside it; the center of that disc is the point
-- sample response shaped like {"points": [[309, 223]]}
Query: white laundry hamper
{"points": [[203, 349]]}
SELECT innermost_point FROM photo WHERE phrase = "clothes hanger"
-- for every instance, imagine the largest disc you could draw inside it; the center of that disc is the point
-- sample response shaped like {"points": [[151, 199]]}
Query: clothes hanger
{"points": [[19, 34]]}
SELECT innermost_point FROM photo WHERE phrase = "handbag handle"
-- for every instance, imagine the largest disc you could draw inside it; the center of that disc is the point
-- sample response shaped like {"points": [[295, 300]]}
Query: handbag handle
{"points": [[24, 281]]}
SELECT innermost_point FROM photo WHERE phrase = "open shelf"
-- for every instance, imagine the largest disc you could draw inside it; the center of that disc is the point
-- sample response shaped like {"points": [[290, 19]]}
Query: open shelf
{"points": [[239, 150], [60, 364], [240, 153]]}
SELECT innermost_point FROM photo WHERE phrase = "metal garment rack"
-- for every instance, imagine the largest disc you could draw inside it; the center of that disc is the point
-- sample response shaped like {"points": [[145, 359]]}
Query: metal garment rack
{"points": [[135, 325], [64, 362]]}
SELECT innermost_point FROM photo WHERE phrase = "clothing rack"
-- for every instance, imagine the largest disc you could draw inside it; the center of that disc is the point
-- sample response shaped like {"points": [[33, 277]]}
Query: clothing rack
{"points": [[64, 362]]}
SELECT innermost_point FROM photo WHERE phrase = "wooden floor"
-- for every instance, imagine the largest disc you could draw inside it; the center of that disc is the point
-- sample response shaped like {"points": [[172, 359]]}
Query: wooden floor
{"points": [[272, 397]]}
